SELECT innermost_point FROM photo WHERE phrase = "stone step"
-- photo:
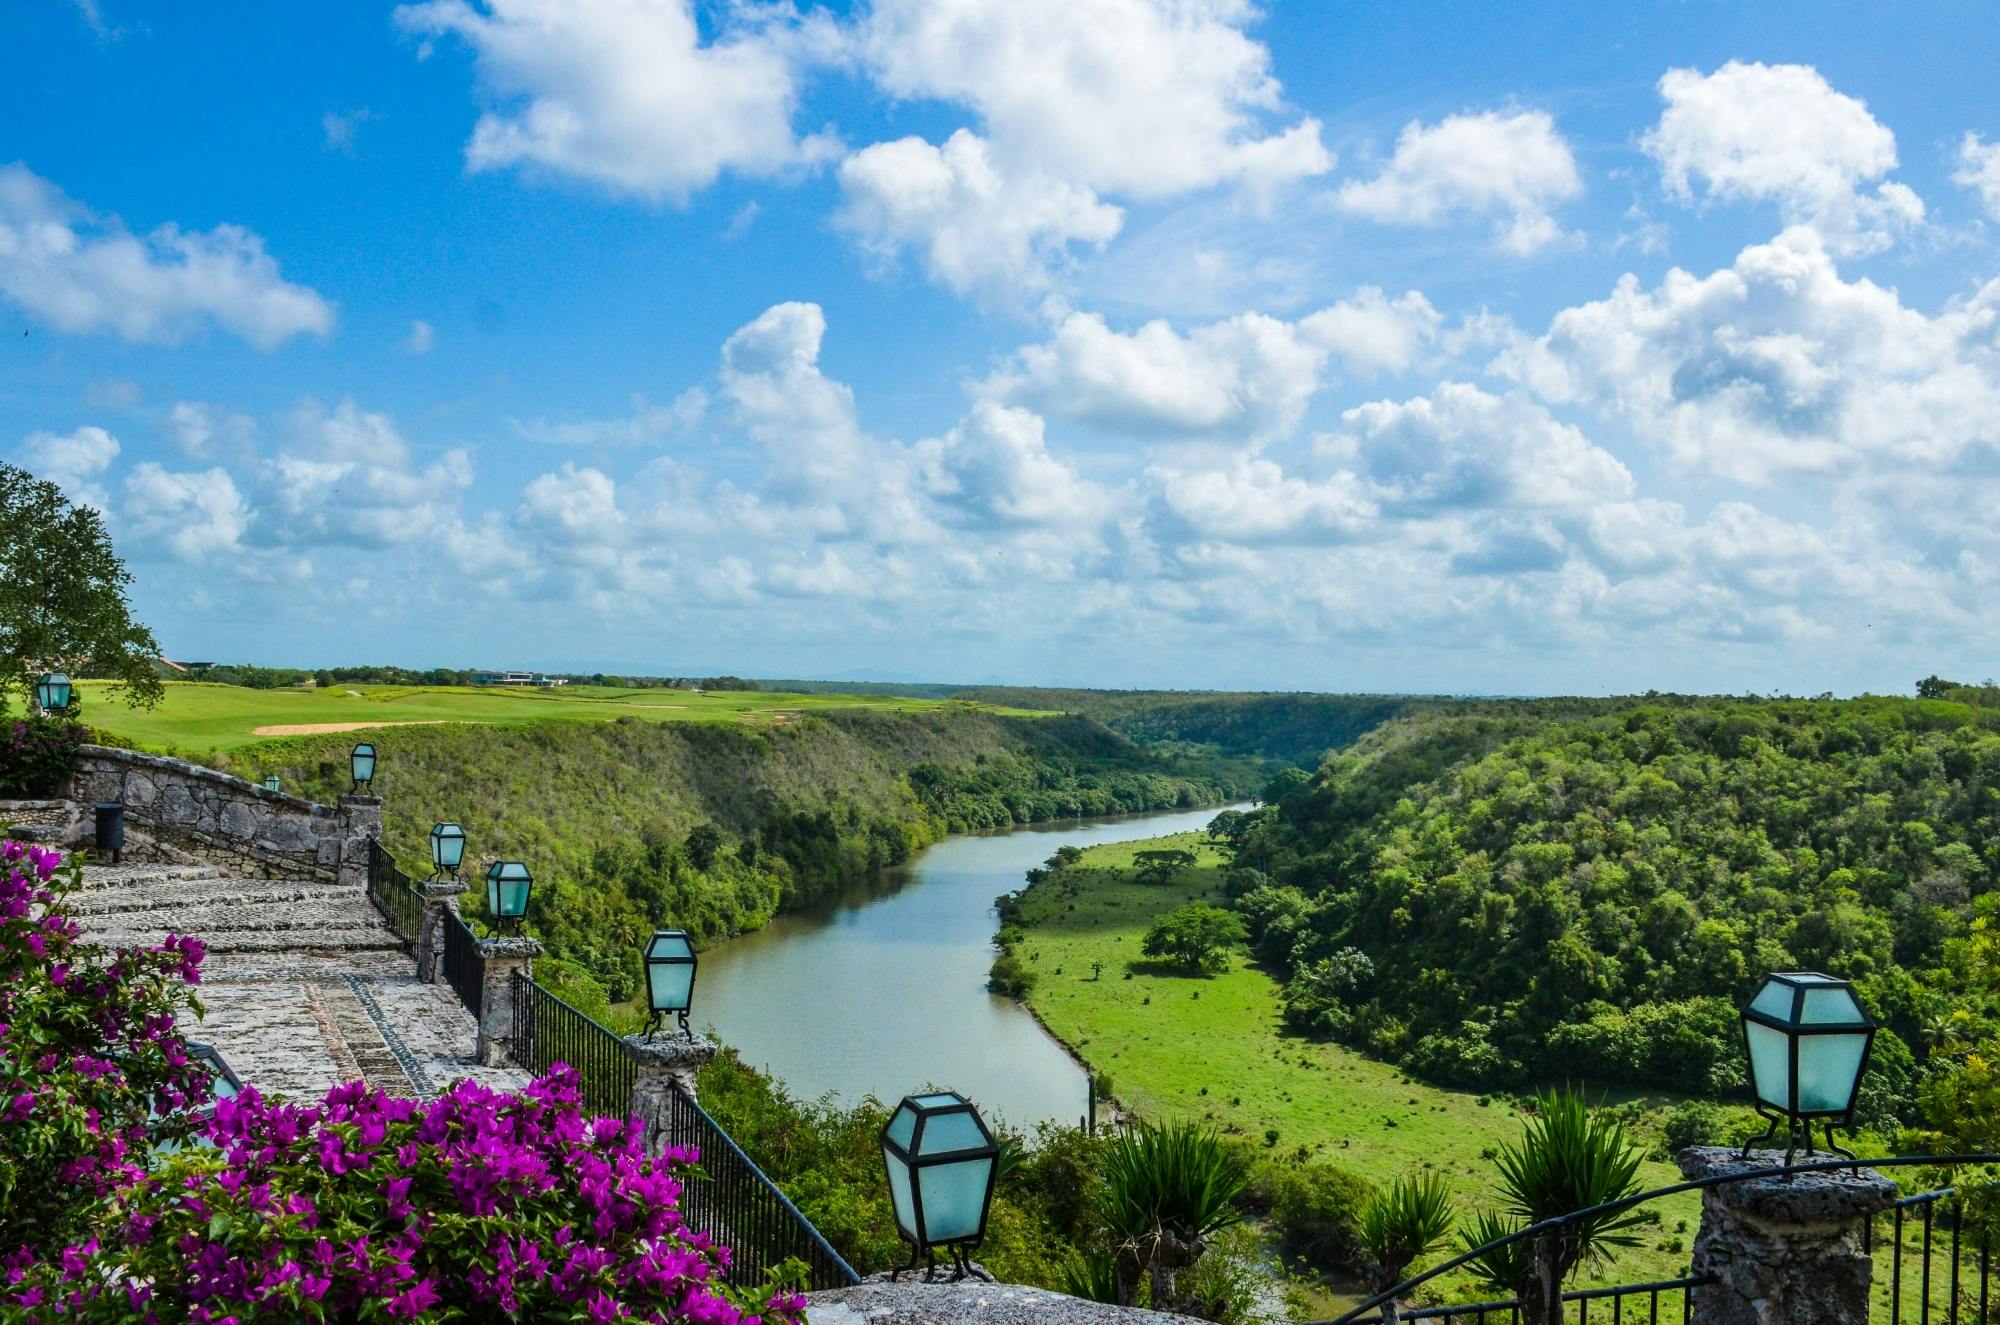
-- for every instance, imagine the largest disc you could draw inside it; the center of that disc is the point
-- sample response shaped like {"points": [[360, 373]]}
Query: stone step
{"points": [[331, 942], [181, 894], [140, 874], [204, 921]]}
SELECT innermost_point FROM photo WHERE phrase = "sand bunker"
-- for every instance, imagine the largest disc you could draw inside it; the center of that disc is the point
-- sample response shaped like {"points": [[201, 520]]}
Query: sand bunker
{"points": [[321, 728]]}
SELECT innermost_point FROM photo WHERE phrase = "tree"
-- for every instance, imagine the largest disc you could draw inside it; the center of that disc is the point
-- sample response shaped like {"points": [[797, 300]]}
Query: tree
{"points": [[703, 841], [1412, 1217], [1936, 687], [1568, 1158], [1166, 1191], [1160, 867], [1196, 935], [62, 595]]}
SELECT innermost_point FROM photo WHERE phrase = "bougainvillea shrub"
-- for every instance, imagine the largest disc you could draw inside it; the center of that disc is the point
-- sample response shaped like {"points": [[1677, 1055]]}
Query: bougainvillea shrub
{"points": [[478, 1206], [90, 1054]]}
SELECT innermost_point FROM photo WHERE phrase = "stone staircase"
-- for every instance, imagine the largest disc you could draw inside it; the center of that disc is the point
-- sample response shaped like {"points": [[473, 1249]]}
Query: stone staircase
{"points": [[304, 986]]}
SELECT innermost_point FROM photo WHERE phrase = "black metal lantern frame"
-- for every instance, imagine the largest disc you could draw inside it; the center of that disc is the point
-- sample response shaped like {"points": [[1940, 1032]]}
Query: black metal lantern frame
{"points": [[54, 692], [916, 1162], [448, 831], [501, 877], [361, 763], [654, 958], [1798, 1122]]}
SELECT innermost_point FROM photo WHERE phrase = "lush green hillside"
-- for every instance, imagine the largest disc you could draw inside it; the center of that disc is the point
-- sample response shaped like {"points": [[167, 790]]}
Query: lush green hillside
{"points": [[1486, 900], [631, 824]]}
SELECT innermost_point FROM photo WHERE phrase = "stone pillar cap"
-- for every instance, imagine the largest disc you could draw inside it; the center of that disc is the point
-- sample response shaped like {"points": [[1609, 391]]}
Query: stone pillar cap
{"points": [[358, 798], [510, 945], [1830, 1194], [443, 887], [671, 1051]]}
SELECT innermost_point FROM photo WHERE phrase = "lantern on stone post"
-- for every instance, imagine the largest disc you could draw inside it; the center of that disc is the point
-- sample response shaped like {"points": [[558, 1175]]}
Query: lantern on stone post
{"points": [[52, 693], [447, 849], [507, 886], [361, 763], [1807, 1037], [941, 1161], [670, 963], [271, 783]]}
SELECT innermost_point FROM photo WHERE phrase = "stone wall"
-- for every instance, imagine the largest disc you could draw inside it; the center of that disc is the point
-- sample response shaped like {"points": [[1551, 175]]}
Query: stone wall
{"points": [[211, 812]]}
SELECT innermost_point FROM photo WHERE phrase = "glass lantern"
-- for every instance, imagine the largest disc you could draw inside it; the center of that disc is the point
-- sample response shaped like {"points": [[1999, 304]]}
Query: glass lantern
{"points": [[941, 1161], [670, 963], [223, 1083], [271, 783], [1807, 1037], [362, 764], [507, 885], [52, 693], [447, 849]]}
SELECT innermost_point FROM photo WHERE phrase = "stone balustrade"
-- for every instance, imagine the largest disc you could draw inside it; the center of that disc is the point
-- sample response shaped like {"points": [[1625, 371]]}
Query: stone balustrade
{"points": [[214, 813]]}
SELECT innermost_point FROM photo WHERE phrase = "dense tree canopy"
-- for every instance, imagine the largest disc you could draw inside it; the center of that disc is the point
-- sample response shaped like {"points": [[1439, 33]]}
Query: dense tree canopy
{"points": [[1492, 899], [62, 595]]}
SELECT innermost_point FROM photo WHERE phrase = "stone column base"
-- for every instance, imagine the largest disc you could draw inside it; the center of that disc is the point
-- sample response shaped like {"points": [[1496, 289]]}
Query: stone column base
{"points": [[1783, 1252], [503, 957], [440, 900]]}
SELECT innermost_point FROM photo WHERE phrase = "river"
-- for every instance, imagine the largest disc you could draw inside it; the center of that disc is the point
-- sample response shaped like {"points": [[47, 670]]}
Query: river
{"points": [[881, 988]]}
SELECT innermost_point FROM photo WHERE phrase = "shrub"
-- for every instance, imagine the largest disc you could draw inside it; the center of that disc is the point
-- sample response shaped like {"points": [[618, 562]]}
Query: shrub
{"points": [[1010, 976], [1317, 1210], [480, 1203], [1693, 1123], [89, 1051], [38, 755]]}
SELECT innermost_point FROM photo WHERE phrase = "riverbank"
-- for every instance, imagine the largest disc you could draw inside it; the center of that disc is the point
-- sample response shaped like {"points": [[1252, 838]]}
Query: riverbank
{"points": [[1215, 1049]]}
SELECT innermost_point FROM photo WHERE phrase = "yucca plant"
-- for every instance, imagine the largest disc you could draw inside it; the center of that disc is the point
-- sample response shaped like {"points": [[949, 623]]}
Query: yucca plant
{"points": [[1166, 1191], [1409, 1218], [1091, 1276], [1568, 1158]]}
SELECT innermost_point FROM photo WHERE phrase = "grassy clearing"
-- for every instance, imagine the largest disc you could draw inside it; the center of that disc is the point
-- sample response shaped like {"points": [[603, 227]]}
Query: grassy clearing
{"points": [[201, 716], [1176, 1046]]}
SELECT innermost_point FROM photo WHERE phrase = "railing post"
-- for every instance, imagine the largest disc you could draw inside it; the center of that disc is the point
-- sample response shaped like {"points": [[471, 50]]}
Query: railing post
{"points": [[1783, 1251], [360, 824], [502, 958], [664, 1065], [440, 901]]}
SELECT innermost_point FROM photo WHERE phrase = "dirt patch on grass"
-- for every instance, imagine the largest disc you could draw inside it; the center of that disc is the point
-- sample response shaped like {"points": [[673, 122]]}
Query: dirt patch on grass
{"points": [[322, 728]]}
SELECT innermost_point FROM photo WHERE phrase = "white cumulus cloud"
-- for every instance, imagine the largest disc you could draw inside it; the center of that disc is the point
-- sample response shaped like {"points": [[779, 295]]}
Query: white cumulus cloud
{"points": [[627, 93], [1513, 163], [1250, 376], [996, 466], [1979, 170], [1782, 134], [976, 228], [79, 273], [193, 516], [73, 461]]}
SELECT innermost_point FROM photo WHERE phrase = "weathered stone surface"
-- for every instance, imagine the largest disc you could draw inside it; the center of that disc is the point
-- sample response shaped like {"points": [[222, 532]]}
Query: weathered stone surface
{"points": [[665, 1063], [1783, 1252], [440, 901], [503, 958], [912, 1302]]}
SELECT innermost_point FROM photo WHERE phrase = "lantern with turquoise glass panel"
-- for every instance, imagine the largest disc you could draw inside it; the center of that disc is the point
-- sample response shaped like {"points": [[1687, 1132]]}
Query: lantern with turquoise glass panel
{"points": [[1807, 1037], [507, 885], [272, 783], [362, 764], [670, 963], [52, 693], [447, 849], [223, 1083], [941, 1160]]}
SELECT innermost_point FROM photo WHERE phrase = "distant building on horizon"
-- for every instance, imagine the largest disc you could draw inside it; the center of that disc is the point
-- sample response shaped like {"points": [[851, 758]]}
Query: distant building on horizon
{"points": [[541, 679]]}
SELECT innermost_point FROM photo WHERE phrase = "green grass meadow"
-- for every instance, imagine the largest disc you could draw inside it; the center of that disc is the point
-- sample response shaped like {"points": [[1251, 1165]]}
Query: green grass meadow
{"points": [[203, 716], [1215, 1049]]}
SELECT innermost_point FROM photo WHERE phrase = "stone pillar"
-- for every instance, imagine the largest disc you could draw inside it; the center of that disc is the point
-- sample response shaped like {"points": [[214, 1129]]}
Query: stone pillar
{"points": [[440, 901], [360, 824], [1782, 1252], [503, 957], [665, 1064]]}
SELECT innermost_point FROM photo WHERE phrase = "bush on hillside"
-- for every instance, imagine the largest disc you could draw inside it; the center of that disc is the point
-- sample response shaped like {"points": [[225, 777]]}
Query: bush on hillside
{"points": [[38, 755], [1317, 1208]]}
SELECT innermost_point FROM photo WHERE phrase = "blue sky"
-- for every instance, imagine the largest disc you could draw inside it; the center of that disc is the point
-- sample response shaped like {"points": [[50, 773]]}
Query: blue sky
{"points": [[1115, 342]]}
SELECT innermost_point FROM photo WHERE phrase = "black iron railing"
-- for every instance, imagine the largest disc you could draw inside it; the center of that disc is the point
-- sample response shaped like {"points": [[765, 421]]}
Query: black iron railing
{"points": [[464, 966], [1940, 1261], [1938, 1258], [548, 1031], [394, 895], [732, 1201]]}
